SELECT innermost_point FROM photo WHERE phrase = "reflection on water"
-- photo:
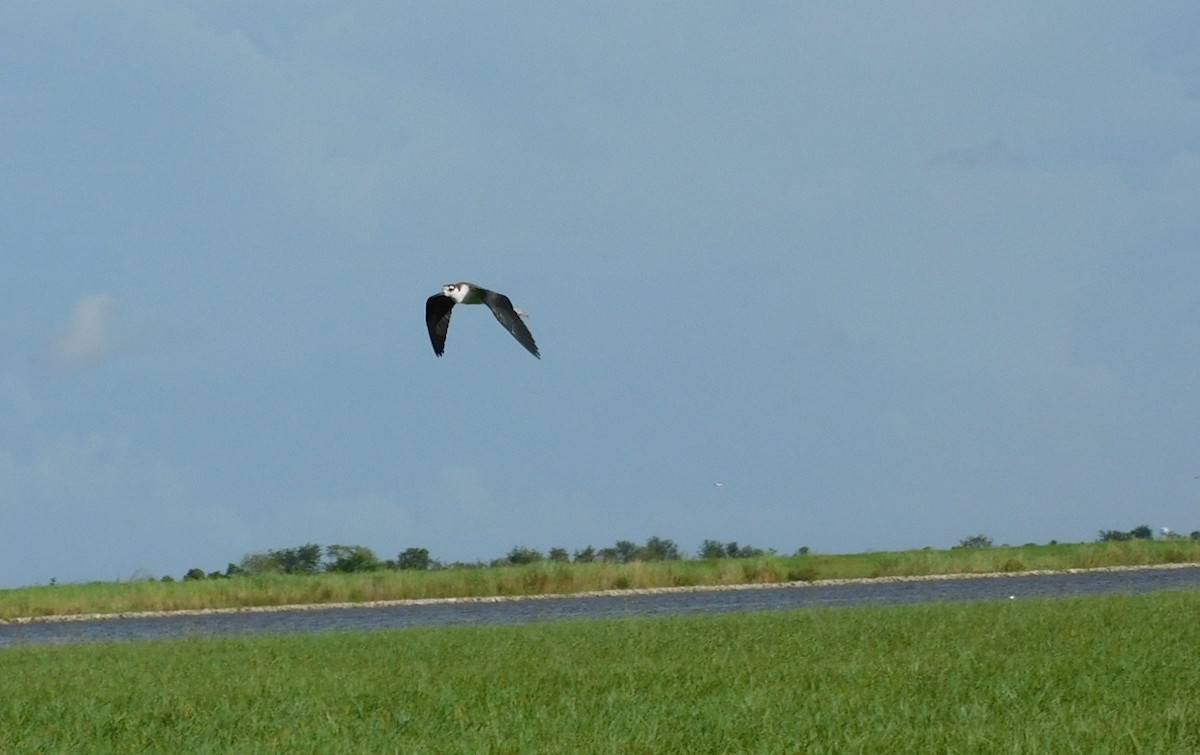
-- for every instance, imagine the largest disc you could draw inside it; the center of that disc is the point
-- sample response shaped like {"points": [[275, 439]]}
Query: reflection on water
{"points": [[557, 609]]}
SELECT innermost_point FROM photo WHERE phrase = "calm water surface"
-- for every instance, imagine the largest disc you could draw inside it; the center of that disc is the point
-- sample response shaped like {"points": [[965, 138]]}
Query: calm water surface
{"points": [[558, 609]]}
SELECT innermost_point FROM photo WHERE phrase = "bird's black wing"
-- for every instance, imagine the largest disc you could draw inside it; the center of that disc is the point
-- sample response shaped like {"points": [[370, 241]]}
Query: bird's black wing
{"points": [[502, 308], [437, 319]]}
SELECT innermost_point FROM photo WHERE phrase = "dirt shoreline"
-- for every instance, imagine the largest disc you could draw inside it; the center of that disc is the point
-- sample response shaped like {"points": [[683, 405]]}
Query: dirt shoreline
{"points": [[559, 596]]}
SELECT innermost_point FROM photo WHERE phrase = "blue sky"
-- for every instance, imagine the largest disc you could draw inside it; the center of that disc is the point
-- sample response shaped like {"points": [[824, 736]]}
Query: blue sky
{"points": [[895, 274]]}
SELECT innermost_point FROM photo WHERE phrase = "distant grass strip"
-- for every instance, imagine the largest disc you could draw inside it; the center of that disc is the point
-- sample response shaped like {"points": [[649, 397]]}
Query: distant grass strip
{"points": [[567, 578], [1109, 674]]}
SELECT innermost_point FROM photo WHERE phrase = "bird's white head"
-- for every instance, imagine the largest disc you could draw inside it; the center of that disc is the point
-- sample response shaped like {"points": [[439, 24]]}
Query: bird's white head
{"points": [[456, 291]]}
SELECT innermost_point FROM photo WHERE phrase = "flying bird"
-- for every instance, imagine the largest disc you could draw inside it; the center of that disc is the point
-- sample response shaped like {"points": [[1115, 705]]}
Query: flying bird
{"points": [[439, 306]]}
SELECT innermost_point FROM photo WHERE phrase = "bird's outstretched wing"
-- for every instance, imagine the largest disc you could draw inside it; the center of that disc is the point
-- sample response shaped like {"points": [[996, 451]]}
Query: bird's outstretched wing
{"points": [[437, 319], [502, 308]]}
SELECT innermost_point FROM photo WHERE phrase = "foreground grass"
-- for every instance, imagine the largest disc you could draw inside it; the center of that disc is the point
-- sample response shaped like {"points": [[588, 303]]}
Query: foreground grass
{"points": [[1110, 674], [562, 578]]}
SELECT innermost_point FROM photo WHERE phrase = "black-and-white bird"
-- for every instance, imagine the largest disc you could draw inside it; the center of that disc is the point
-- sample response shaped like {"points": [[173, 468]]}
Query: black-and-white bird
{"points": [[439, 306]]}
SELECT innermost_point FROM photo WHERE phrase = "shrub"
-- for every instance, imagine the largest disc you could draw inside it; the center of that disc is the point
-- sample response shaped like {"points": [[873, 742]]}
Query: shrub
{"points": [[626, 551], [1141, 532], [305, 559], [351, 558], [717, 549], [733, 550], [975, 541], [659, 549], [711, 549], [414, 558], [521, 555]]}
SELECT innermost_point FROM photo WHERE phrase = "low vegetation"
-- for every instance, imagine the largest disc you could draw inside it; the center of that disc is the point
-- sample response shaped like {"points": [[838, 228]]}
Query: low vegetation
{"points": [[1107, 674], [541, 576]]}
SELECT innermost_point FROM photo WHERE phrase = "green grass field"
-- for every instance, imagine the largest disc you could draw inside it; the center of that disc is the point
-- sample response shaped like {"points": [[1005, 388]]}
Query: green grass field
{"points": [[1094, 675], [551, 577]]}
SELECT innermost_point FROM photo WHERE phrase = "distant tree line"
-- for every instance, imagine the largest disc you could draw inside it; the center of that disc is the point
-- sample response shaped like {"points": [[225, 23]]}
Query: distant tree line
{"points": [[1142, 532], [311, 558]]}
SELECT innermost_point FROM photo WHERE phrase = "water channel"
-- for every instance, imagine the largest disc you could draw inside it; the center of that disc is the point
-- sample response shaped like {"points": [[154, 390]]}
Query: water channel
{"points": [[625, 604]]}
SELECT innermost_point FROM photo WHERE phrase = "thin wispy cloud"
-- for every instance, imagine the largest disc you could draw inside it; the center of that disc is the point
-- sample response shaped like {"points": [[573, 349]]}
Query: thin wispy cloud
{"points": [[90, 335]]}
